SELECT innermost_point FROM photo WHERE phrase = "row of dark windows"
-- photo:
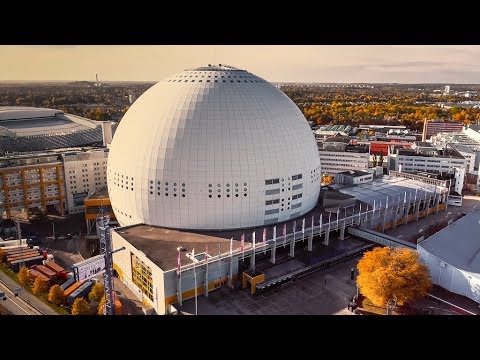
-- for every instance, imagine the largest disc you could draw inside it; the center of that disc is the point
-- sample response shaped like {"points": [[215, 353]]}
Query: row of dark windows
{"points": [[271, 202], [298, 196], [296, 177], [272, 181]]}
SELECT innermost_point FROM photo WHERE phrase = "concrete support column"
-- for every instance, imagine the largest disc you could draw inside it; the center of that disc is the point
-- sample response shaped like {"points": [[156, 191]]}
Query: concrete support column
{"points": [[231, 272], [384, 219], [206, 277], [437, 203], [395, 216], [406, 208], [291, 253], [272, 255], [310, 242], [342, 232], [417, 209], [179, 290], [327, 236], [253, 259]]}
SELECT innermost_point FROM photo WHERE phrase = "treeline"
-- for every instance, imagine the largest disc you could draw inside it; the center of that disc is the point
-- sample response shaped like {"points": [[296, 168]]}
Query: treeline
{"points": [[355, 106], [103, 103]]}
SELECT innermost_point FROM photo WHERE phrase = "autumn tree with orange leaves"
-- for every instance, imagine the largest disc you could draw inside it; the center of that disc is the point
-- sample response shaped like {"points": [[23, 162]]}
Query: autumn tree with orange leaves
{"points": [[385, 272]]}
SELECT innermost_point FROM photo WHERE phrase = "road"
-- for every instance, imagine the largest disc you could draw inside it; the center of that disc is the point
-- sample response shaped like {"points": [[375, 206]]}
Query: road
{"points": [[16, 305], [416, 229]]}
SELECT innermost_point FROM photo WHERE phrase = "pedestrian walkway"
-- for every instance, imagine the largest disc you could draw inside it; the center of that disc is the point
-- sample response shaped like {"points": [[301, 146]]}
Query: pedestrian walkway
{"points": [[29, 298], [130, 303]]}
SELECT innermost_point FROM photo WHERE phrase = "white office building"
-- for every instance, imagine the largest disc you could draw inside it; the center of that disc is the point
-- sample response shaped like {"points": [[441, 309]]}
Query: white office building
{"points": [[85, 173], [448, 161], [333, 162]]}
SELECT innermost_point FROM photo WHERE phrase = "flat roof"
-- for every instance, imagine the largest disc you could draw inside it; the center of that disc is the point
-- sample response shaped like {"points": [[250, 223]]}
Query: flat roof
{"points": [[396, 188], [160, 244], [99, 194], [458, 244], [354, 173], [447, 154]]}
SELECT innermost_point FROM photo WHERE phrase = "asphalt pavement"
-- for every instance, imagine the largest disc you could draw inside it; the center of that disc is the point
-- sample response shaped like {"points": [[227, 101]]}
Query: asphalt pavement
{"points": [[23, 304]]}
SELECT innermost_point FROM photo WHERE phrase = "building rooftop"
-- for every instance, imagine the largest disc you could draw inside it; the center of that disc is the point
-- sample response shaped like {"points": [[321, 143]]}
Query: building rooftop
{"points": [[343, 147], [99, 194], [354, 173], [396, 188], [432, 152], [457, 244], [342, 139], [475, 127], [26, 129], [160, 244], [462, 148], [216, 67]]}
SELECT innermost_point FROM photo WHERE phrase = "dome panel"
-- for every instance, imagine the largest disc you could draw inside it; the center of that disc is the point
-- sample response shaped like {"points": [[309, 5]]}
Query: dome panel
{"points": [[213, 148]]}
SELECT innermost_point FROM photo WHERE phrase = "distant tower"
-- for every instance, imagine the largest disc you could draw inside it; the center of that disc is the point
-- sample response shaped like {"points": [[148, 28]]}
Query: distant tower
{"points": [[447, 89], [131, 98], [424, 133], [96, 77]]}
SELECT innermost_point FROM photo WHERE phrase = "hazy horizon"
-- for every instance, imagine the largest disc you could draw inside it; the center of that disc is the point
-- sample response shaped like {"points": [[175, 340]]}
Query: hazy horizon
{"points": [[403, 64]]}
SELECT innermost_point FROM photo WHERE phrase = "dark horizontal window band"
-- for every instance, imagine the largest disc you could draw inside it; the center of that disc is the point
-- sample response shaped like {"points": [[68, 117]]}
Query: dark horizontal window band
{"points": [[272, 211], [272, 192]]}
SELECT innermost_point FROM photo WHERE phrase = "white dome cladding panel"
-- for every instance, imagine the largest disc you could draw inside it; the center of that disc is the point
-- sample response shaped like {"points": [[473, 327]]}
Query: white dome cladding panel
{"points": [[213, 148]]}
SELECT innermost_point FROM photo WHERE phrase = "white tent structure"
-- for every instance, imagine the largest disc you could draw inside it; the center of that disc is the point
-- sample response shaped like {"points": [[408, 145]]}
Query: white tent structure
{"points": [[453, 256]]}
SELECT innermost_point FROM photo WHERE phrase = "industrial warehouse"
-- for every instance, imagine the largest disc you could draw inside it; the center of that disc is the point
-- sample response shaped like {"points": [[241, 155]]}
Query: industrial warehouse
{"points": [[214, 169]]}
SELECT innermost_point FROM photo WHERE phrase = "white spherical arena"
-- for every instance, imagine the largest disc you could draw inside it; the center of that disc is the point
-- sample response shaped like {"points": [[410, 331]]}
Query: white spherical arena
{"points": [[213, 148]]}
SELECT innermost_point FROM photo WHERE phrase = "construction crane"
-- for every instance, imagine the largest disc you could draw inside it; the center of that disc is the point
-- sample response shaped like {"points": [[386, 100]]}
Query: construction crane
{"points": [[103, 231]]}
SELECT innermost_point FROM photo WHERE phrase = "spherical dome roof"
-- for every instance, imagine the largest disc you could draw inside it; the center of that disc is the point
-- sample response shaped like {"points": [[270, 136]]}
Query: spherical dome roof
{"points": [[213, 148]]}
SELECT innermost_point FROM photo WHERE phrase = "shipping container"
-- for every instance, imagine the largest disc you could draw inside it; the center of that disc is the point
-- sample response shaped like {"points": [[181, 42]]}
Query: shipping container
{"points": [[15, 265], [54, 266], [37, 274], [67, 284], [26, 256], [73, 288], [47, 272], [14, 249], [23, 252], [22, 255], [60, 271], [82, 291], [16, 258]]}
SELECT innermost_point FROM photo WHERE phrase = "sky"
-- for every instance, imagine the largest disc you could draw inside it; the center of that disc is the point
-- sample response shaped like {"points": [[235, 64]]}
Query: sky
{"points": [[279, 63]]}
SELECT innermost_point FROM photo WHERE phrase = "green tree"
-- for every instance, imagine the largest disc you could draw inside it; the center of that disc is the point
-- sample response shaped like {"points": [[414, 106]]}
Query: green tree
{"points": [[40, 286], [385, 272], [98, 290], [56, 295], [23, 276], [80, 307]]}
